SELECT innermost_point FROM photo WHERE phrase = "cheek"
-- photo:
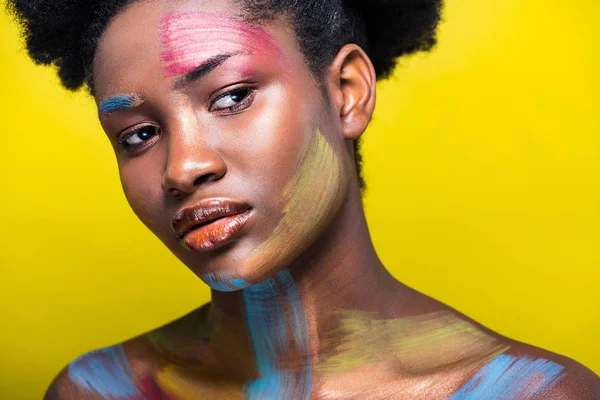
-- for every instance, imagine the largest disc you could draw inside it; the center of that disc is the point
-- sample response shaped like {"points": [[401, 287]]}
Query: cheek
{"points": [[266, 151], [299, 175], [317, 186], [312, 195], [143, 192]]}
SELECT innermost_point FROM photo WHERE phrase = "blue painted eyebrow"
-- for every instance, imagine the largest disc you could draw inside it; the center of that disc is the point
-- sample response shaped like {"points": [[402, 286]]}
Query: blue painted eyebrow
{"points": [[118, 102]]}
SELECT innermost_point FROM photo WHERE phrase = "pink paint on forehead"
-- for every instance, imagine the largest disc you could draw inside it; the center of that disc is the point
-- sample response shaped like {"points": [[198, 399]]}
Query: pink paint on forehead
{"points": [[189, 38]]}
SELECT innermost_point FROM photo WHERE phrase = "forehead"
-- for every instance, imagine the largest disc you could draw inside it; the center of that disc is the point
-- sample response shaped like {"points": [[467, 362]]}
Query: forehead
{"points": [[172, 36]]}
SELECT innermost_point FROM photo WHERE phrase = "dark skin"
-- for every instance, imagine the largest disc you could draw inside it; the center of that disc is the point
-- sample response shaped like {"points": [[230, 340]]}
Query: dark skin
{"points": [[252, 154]]}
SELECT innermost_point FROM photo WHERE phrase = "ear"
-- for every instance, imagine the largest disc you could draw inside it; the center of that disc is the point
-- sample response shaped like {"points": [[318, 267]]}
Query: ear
{"points": [[352, 80]]}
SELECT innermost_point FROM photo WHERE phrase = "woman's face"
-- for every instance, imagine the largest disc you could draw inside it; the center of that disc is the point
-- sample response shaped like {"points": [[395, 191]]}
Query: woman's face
{"points": [[227, 148]]}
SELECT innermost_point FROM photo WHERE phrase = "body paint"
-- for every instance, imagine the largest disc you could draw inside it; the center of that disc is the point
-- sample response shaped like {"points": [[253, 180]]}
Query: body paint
{"points": [[189, 38], [272, 328], [190, 340], [275, 327], [414, 345], [151, 391], [189, 384], [310, 196], [510, 378], [118, 102], [165, 344], [224, 282], [105, 372]]}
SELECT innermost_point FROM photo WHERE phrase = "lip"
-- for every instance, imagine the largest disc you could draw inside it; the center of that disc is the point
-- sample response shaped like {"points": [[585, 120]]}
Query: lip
{"points": [[210, 223]]}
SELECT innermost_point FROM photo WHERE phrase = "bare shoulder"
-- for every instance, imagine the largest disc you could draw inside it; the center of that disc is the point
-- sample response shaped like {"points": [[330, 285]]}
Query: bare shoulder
{"points": [[125, 370], [579, 383], [63, 388], [106, 373], [559, 377]]}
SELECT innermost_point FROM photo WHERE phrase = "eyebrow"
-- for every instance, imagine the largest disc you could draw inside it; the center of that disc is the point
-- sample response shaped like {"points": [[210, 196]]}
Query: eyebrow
{"points": [[125, 101], [118, 102], [202, 70]]}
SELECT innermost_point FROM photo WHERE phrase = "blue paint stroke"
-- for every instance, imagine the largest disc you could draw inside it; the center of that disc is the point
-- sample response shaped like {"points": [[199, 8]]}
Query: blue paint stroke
{"points": [[105, 372], [118, 102], [223, 282], [269, 325], [510, 378]]}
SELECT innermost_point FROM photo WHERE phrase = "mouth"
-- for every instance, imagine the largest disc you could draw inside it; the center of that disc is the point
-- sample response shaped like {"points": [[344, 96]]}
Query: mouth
{"points": [[210, 224]]}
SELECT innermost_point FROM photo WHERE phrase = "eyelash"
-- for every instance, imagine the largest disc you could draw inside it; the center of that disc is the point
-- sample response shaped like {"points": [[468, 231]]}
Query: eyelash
{"points": [[138, 147], [243, 104], [234, 109]]}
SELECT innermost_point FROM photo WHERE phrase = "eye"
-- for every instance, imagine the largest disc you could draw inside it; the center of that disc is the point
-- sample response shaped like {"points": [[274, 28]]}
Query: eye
{"points": [[234, 100], [140, 138]]}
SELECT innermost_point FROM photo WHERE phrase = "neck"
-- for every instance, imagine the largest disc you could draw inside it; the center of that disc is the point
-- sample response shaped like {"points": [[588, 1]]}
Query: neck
{"points": [[287, 316], [334, 310]]}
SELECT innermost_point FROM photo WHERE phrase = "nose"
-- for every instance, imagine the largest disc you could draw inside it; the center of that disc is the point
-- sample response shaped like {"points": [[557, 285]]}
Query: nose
{"points": [[189, 165]]}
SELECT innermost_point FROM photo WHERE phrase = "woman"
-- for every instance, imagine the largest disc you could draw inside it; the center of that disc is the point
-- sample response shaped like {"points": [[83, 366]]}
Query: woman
{"points": [[236, 127]]}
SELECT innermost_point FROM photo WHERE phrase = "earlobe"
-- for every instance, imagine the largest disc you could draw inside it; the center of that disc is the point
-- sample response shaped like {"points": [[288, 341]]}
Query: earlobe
{"points": [[354, 88]]}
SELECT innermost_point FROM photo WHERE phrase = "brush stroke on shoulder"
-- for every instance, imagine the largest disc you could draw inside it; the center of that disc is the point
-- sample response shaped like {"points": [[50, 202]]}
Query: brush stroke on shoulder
{"points": [[105, 372], [510, 378]]}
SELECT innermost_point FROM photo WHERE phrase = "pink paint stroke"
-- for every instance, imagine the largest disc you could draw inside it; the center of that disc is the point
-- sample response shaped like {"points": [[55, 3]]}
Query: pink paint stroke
{"points": [[151, 391], [189, 38]]}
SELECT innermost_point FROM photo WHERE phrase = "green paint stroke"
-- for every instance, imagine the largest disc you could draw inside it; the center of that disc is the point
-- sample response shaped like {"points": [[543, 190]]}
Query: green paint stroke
{"points": [[208, 335], [310, 195], [420, 344], [178, 337]]}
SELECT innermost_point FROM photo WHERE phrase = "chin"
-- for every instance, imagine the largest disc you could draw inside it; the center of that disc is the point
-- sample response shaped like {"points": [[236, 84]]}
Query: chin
{"points": [[239, 265]]}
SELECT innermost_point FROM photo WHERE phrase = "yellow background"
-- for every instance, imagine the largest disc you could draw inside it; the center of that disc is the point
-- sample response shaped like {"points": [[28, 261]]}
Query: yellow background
{"points": [[488, 148]]}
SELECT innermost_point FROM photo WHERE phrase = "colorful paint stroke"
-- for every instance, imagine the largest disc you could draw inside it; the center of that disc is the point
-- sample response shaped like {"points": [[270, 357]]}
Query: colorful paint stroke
{"points": [[415, 345], [184, 383], [151, 391], [118, 102], [105, 372], [189, 38], [273, 327], [318, 182], [510, 378], [223, 282]]}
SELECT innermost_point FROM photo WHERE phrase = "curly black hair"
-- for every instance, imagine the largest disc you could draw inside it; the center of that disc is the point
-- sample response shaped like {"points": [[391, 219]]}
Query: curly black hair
{"points": [[65, 33]]}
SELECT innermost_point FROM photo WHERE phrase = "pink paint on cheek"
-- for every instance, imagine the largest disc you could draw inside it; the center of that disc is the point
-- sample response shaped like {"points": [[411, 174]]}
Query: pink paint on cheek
{"points": [[189, 38]]}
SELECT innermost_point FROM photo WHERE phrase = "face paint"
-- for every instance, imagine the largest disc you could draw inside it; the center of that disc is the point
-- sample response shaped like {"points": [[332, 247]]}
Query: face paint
{"points": [[105, 372], [510, 378], [273, 327], [223, 282], [310, 195], [190, 38], [414, 345], [119, 102]]}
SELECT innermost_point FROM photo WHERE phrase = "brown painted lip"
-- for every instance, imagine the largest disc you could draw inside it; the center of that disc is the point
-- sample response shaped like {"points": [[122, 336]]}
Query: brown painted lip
{"points": [[202, 213]]}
